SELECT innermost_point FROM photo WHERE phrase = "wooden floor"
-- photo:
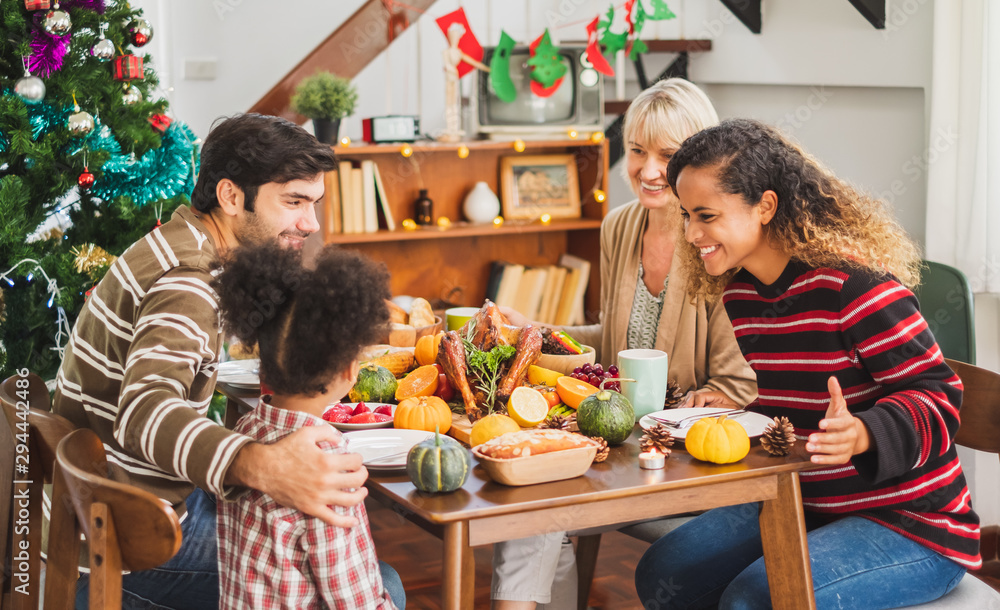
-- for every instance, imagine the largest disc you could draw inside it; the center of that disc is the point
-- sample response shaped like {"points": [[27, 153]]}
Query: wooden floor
{"points": [[416, 555]]}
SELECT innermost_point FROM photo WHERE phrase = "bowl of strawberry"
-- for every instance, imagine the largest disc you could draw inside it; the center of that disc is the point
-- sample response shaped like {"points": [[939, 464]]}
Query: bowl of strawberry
{"points": [[359, 415]]}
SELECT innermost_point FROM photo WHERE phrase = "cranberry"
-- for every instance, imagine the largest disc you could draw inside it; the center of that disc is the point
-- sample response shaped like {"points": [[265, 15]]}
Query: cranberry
{"points": [[587, 369], [594, 381], [598, 370], [576, 371]]}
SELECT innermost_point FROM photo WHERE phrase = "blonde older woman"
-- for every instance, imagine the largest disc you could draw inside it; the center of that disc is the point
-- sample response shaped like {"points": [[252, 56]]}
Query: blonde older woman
{"points": [[644, 304]]}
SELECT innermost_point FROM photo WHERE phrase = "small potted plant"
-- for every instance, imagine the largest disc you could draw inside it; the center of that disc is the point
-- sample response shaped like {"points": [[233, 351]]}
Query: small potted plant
{"points": [[325, 98]]}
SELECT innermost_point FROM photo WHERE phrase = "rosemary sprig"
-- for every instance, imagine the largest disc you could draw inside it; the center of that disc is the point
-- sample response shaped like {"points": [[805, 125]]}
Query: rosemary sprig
{"points": [[487, 366]]}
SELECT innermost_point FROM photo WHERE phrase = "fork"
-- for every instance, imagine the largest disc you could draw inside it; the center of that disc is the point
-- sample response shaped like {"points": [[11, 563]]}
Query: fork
{"points": [[388, 456], [688, 421]]}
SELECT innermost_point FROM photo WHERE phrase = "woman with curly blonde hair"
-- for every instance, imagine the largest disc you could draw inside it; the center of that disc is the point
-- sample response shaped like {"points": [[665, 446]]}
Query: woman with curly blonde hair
{"points": [[813, 276]]}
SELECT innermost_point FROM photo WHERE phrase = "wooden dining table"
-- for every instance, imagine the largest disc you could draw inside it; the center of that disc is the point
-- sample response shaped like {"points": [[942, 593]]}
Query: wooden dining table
{"points": [[611, 492]]}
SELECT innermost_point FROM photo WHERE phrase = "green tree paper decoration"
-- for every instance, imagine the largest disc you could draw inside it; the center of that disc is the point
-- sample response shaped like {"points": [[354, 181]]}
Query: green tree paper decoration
{"points": [[547, 63]]}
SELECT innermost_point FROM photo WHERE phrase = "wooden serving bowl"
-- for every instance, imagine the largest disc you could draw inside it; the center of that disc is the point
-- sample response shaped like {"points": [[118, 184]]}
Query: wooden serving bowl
{"points": [[541, 468], [566, 364], [431, 329]]}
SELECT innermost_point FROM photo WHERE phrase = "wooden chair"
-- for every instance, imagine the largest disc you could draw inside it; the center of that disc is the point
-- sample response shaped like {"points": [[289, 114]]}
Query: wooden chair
{"points": [[980, 430], [29, 422], [127, 528]]}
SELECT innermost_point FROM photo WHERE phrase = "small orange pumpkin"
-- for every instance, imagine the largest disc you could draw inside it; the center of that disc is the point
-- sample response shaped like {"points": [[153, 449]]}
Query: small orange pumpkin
{"points": [[423, 413], [426, 351]]}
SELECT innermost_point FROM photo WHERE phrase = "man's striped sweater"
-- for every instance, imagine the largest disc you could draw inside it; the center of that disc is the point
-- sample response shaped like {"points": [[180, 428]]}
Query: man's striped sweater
{"points": [[141, 364], [866, 330]]}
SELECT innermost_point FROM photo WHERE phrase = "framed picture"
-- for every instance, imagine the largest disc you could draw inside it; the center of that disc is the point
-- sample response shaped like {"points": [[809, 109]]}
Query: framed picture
{"points": [[532, 185]]}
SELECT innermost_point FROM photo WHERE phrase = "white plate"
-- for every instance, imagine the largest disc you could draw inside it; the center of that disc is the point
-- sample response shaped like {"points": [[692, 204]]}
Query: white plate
{"points": [[373, 444], [754, 423], [242, 373], [371, 406]]}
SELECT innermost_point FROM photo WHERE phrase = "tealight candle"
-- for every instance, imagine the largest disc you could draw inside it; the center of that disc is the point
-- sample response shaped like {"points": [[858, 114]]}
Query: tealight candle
{"points": [[652, 460]]}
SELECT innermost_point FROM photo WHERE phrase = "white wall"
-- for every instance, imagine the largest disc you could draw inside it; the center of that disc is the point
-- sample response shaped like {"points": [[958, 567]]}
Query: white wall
{"points": [[854, 96]]}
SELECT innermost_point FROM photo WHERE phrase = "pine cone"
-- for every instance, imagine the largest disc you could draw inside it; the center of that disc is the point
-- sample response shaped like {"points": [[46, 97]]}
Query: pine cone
{"points": [[559, 422], [602, 451], [779, 436], [674, 394], [658, 437]]}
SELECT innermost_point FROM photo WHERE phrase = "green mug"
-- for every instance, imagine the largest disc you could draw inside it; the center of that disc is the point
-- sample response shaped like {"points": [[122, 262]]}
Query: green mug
{"points": [[648, 367], [456, 317]]}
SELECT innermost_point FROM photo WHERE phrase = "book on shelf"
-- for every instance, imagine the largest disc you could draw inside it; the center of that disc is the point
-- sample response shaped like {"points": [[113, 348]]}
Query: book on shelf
{"points": [[331, 211], [369, 206], [347, 207], [383, 200], [509, 283], [577, 315], [529, 291], [553, 290], [493, 280], [567, 305]]}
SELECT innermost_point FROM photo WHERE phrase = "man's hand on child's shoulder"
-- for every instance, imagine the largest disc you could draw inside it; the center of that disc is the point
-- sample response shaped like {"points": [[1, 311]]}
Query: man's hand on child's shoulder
{"points": [[297, 473]]}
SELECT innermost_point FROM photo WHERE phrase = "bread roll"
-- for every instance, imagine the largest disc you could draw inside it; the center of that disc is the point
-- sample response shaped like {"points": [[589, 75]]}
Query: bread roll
{"points": [[402, 335], [532, 442], [421, 313], [396, 313]]}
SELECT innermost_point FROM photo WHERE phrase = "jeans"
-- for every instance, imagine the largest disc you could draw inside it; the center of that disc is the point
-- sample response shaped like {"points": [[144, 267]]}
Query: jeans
{"points": [[716, 560], [190, 580]]}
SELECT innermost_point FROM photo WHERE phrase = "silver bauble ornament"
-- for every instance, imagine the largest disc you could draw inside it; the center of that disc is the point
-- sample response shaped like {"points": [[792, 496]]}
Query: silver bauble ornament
{"points": [[140, 32], [80, 123], [104, 50], [132, 96], [31, 89], [57, 22]]}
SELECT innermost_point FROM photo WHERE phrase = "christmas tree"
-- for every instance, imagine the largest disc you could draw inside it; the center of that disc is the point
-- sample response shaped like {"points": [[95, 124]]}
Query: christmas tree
{"points": [[89, 163]]}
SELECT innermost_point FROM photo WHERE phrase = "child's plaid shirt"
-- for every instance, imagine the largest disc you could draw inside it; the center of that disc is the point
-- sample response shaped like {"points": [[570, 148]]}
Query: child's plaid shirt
{"points": [[271, 556]]}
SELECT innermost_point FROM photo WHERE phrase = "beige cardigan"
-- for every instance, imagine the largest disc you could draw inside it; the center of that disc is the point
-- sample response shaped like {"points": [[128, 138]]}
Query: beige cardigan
{"points": [[698, 338]]}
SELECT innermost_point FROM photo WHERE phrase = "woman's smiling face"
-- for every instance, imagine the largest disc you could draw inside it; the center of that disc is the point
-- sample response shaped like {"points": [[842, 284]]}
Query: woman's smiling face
{"points": [[728, 232], [647, 173]]}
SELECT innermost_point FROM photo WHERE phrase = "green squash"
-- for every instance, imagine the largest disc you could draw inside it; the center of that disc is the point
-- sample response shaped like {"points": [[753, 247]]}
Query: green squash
{"points": [[438, 464], [375, 384], [606, 414]]}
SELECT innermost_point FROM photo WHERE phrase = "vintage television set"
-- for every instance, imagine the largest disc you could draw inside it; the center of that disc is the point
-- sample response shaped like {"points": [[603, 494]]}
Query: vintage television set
{"points": [[578, 103]]}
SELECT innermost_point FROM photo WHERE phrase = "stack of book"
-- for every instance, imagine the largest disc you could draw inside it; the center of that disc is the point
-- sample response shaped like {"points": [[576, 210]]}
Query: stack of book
{"points": [[356, 199], [551, 294]]}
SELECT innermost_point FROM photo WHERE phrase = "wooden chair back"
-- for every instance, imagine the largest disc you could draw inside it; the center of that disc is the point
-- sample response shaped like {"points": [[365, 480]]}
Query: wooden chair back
{"points": [[28, 444], [980, 410], [126, 528]]}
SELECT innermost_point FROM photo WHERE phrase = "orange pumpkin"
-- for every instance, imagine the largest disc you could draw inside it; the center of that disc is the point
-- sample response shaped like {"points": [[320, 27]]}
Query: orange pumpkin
{"points": [[426, 351], [423, 413]]}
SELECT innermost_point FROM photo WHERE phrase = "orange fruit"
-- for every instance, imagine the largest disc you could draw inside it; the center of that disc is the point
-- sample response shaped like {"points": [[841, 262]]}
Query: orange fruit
{"points": [[572, 391], [422, 381], [491, 426], [426, 351], [527, 406]]}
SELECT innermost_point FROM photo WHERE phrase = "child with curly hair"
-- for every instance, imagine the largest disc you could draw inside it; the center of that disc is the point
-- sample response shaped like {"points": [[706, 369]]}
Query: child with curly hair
{"points": [[310, 326], [814, 276]]}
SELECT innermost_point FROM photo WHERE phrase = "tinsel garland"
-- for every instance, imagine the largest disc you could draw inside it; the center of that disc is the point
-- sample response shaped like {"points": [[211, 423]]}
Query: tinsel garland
{"points": [[47, 51], [161, 173]]}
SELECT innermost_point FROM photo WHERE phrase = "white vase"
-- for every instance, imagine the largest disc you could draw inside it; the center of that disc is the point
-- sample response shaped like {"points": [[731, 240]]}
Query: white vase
{"points": [[481, 204]]}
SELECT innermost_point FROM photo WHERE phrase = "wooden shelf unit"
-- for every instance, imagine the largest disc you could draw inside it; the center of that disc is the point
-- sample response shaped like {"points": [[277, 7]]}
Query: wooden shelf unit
{"points": [[432, 262]]}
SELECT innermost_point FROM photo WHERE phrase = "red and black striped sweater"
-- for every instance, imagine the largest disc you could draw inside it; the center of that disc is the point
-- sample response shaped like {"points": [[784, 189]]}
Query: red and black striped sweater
{"points": [[866, 330]]}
